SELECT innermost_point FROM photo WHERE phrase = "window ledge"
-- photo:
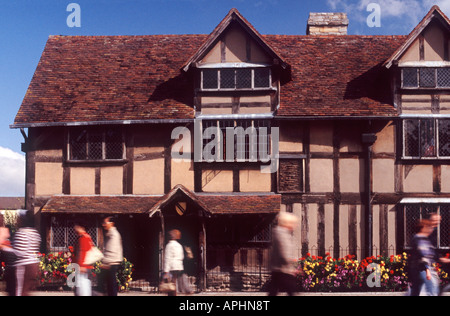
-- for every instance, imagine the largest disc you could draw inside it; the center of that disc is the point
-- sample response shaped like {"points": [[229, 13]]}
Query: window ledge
{"points": [[101, 161]]}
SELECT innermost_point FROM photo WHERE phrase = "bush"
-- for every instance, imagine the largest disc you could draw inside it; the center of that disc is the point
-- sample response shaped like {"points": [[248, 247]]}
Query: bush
{"points": [[318, 274], [53, 270]]}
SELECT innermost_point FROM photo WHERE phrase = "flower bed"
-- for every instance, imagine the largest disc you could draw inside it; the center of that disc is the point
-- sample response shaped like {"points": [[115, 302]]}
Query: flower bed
{"points": [[54, 270], [327, 274]]}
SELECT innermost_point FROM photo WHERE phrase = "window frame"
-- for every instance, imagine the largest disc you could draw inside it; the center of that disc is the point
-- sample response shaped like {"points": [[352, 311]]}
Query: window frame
{"points": [[407, 234], [65, 224], [91, 131], [436, 137], [418, 74], [222, 125], [235, 88]]}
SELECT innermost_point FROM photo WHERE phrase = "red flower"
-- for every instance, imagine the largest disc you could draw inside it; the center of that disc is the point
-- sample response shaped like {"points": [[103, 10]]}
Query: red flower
{"points": [[392, 272], [308, 254]]}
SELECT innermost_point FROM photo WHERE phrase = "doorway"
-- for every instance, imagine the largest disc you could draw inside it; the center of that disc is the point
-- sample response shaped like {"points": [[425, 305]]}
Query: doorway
{"points": [[186, 218]]}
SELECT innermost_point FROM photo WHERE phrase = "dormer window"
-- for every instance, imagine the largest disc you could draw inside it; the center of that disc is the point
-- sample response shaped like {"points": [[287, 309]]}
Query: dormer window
{"points": [[425, 77], [216, 79]]}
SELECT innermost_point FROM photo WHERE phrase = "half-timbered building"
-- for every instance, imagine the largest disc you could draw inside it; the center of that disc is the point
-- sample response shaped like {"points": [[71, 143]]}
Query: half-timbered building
{"points": [[358, 127]]}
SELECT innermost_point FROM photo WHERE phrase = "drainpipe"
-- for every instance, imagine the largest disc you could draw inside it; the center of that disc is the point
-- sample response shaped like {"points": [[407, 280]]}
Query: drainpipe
{"points": [[25, 147], [368, 139]]}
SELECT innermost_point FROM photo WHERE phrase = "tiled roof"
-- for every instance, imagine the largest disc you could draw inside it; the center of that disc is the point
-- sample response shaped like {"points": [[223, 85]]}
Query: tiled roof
{"points": [[108, 78], [98, 204], [337, 75], [12, 203], [135, 204], [242, 203], [117, 78]]}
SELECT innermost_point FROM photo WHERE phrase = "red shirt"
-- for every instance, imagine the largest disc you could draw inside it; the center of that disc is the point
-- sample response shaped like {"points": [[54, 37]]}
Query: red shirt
{"points": [[84, 245]]}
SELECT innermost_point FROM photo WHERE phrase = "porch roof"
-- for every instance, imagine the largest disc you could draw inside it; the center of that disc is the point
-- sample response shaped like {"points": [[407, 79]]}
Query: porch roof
{"points": [[100, 204], [216, 203]]}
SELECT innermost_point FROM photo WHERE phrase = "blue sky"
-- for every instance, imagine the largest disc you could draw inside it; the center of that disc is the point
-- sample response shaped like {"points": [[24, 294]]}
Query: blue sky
{"points": [[26, 24]]}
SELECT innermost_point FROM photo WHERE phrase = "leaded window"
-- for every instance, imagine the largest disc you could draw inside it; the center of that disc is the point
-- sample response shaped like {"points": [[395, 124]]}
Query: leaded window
{"points": [[426, 138], [250, 140], [87, 144], [236, 79], [426, 77], [413, 213], [63, 235]]}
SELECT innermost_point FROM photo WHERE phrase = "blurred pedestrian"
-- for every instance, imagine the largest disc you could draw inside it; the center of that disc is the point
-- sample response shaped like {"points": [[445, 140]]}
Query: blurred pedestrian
{"points": [[422, 273], [83, 284], [173, 262], [8, 258], [25, 248], [282, 261], [113, 255]]}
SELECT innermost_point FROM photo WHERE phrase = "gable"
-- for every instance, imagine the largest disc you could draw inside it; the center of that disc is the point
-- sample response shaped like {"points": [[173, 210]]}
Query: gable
{"points": [[431, 45], [235, 45], [234, 40], [428, 42]]}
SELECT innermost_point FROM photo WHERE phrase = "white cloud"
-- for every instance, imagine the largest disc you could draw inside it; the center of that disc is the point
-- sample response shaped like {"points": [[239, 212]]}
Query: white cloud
{"points": [[408, 12], [443, 4], [12, 173]]}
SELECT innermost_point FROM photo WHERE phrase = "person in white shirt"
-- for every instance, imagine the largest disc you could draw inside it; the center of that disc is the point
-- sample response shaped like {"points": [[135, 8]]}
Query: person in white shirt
{"points": [[173, 259]]}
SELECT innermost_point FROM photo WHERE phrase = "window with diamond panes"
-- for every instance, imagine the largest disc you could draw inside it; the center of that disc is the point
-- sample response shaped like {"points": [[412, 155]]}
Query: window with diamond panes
{"points": [[96, 145], [410, 78], [63, 235], [443, 77], [249, 144], [227, 79], [444, 228], [427, 77], [411, 138], [413, 213], [240, 78], [243, 78], [262, 78], [113, 145], [263, 235], [444, 138], [210, 79], [426, 138], [78, 141]]}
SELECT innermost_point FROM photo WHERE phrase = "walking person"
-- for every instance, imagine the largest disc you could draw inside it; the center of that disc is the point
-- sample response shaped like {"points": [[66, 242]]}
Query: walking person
{"points": [[113, 256], [25, 248], [282, 261], [422, 274], [8, 259], [83, 285], [173, 260]]}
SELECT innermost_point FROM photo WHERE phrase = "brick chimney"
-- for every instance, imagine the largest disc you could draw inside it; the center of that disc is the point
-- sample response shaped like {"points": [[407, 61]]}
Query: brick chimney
{"points": [[327, 24]]}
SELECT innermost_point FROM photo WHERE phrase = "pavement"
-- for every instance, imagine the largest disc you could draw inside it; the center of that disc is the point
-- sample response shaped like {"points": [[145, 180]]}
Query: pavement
{"points": [[221, 294]]}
